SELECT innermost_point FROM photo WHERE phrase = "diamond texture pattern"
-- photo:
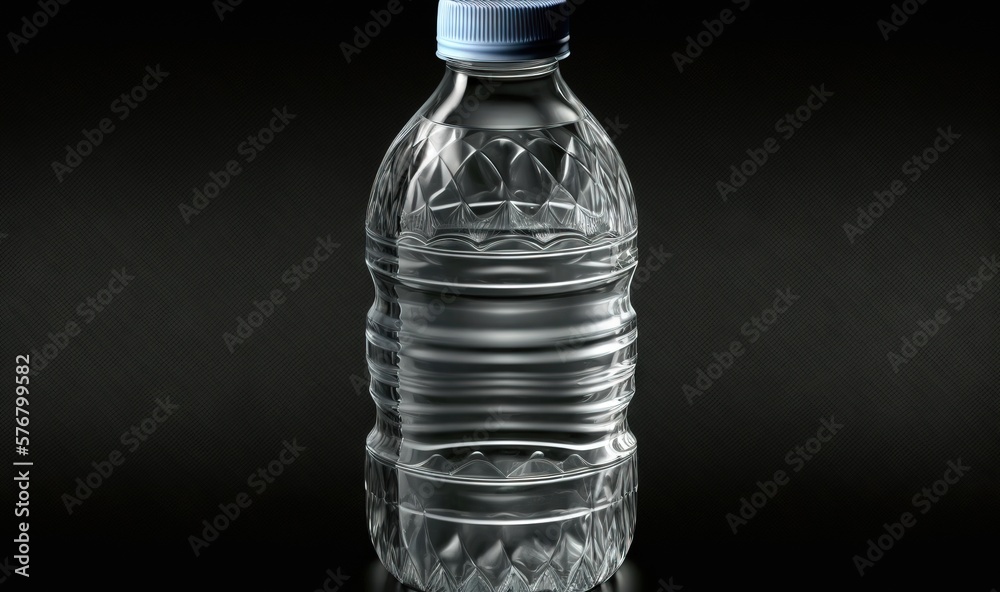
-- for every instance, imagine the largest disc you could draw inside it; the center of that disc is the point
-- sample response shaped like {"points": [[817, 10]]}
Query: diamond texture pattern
{"points": [[435, 553], [441, 181]]}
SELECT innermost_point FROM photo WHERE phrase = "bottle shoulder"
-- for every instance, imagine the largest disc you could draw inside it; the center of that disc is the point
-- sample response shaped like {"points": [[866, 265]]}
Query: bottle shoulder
{"points": [[528, 160]]}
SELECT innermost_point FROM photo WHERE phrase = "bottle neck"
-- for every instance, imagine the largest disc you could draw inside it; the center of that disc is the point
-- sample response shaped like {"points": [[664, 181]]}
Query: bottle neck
{"points": [[508, 71], [503, 95]]}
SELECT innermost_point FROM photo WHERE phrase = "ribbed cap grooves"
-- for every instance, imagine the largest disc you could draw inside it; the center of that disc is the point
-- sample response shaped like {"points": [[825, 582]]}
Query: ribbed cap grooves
{"points": [[502, 30]]}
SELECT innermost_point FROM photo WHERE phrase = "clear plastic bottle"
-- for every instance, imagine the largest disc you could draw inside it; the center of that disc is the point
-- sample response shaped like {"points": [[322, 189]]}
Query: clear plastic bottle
{"points": [[501, 237]]}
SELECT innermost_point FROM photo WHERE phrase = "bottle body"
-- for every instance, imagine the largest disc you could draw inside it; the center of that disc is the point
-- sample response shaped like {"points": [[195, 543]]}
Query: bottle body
{"points": [[501, 343]]}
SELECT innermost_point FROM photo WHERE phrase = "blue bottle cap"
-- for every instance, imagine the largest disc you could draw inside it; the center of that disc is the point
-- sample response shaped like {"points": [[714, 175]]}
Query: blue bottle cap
{"points": [[503, 30]]}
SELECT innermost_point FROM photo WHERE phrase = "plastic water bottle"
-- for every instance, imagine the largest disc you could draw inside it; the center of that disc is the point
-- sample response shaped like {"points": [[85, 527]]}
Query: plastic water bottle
{"points": [[501, 237]]}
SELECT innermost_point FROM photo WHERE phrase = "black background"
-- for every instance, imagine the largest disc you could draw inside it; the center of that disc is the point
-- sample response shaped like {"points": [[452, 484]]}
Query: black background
{"points": [[296, 376]]}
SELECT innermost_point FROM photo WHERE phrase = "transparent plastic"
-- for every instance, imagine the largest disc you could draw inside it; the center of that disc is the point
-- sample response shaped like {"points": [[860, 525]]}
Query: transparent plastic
{"points": [[501, 238]]}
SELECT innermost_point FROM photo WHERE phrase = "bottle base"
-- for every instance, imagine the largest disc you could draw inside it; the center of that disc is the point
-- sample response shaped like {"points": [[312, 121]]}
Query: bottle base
{"points": [[568, 534]]}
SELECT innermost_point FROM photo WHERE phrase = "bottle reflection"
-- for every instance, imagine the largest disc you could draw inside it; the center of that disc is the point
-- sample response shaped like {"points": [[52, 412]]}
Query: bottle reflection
{"points": [[627, 579]]}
